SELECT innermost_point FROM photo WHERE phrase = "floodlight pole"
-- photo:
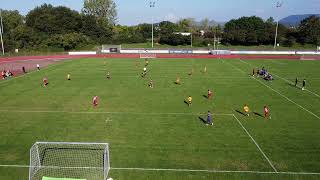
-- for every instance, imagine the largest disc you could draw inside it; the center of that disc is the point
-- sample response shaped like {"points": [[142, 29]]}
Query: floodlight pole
{"points": [[152, 5], [279, 5], [191, 39], [1, 32]]}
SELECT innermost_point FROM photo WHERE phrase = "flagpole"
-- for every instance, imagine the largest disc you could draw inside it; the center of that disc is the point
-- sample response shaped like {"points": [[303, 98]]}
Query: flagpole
{"points": [[1, 32]]}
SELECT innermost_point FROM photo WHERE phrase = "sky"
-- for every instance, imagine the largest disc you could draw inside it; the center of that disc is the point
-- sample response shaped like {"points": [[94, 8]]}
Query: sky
{"points": [[132, 12]]}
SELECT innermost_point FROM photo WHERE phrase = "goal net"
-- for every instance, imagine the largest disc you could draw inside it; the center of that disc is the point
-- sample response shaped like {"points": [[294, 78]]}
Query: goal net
{"points": [[54, 160], [145, 54]]}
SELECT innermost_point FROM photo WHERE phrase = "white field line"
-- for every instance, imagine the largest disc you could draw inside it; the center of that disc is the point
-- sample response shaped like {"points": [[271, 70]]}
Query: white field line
{"points": [[105, 112], [173, 170], [264, 155], [279, 93], [286, 80]]}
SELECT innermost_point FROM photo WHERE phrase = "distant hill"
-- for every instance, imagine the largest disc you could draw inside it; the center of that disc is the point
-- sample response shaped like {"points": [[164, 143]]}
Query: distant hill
{"points": [[295, 20]]}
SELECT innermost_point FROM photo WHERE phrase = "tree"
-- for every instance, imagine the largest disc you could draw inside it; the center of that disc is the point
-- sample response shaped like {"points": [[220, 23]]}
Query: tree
{"points": [[204, 24], [53, 20], [251, 31], [175, 39], [145, 30], [102, 9], [309, 31], [96, 29], [167, 27], [11, 21], [186, 25]]}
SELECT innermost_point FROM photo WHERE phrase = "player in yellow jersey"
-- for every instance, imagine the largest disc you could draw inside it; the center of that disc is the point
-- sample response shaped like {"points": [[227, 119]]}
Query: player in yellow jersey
{"points": [[246, 110], [178, 80], [189, 101]]}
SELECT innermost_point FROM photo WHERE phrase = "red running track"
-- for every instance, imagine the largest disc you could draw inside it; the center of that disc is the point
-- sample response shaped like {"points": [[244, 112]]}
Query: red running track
{"points": [[54, 57]]}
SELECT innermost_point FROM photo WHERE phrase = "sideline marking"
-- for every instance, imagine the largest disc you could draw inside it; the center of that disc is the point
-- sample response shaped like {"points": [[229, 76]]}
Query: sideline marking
{"points": [[278, 93], [286, 80]]}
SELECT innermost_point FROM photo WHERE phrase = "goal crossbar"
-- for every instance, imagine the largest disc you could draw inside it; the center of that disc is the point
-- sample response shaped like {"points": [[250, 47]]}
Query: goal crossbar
{"points": [[69, 160]]}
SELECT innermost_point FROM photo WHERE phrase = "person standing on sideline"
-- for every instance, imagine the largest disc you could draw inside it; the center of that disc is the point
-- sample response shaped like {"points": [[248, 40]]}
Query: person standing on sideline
{"points": [[296, 82], [304, 84], [209, 119], [38, 67], [24, 69]]}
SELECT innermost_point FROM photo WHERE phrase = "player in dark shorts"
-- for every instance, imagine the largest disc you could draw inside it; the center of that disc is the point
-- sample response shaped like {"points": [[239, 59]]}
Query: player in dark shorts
{"points": [[296, 82], [209, 119], [304, 84], [151, 85], [108, 75], [45, 82]]}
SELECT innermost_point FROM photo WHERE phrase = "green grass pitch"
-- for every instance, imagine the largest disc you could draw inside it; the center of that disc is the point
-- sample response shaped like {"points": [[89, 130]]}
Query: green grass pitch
{"points": [[153, 133]]}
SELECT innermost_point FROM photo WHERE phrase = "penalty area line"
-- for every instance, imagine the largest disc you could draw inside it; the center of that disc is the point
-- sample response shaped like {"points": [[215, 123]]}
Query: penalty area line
{"points": [[215, 171], [257, 145]]}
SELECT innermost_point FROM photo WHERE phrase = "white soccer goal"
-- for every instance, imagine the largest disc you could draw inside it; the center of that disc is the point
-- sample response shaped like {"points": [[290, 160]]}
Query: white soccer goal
{"points": [[49, 160], [145, 54]]}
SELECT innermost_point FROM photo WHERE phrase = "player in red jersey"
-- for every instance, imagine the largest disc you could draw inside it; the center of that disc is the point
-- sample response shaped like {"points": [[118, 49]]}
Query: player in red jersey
{"points": [[45, 82], [266, 112], [210, 94], [95, 101]]}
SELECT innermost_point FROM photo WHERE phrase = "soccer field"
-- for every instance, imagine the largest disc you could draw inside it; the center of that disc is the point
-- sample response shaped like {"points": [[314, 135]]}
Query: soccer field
{"points": [[153, 134]]}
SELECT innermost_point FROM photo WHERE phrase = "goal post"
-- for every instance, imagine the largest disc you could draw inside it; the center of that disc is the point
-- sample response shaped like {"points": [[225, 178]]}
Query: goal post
{"points": [[69, 161]]}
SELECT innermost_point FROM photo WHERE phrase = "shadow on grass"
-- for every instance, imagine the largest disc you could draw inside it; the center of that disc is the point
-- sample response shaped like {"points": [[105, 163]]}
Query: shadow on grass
{"points": [[240, 112], [205, 96], [258, 114], [186, 102], [293, 85], [202, 120]]}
